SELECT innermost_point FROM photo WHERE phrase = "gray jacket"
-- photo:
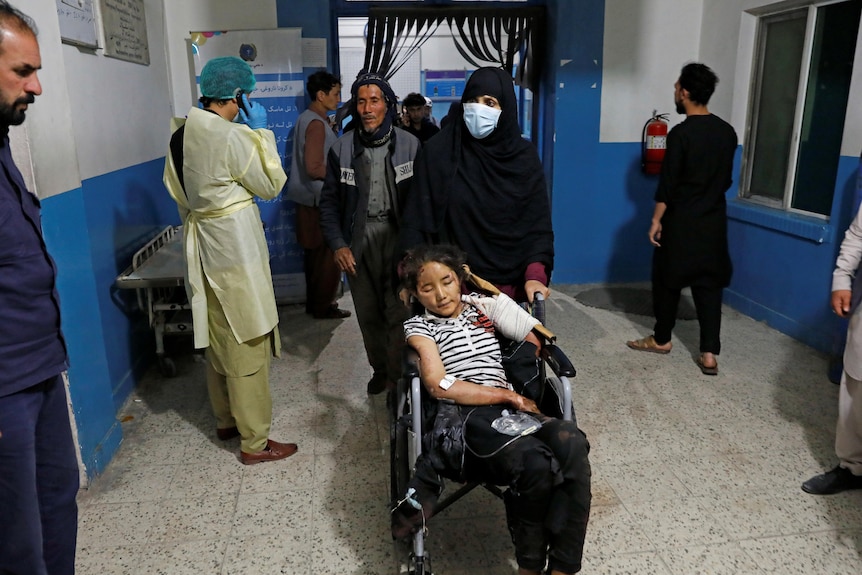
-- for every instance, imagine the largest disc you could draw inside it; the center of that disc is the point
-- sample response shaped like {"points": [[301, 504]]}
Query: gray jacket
{"points": [[344, 198]]}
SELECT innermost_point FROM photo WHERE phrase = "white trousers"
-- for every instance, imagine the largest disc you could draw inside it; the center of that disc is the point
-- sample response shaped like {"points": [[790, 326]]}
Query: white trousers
{"points": [[848, 433]]}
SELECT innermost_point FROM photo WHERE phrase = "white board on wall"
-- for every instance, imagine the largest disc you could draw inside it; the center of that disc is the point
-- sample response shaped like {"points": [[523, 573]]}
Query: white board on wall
{"points": [[78, 22]]}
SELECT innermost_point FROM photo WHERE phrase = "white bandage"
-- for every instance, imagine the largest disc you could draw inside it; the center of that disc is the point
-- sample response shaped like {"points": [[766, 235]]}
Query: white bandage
{"points": [[447, 382]]}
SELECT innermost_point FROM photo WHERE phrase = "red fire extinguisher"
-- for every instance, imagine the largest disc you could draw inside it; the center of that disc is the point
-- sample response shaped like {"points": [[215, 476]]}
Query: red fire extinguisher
{"points": [[653, 143]]}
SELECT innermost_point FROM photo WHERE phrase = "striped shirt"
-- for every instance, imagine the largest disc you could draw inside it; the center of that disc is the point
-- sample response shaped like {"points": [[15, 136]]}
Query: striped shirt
{"points": [[468, 343]]}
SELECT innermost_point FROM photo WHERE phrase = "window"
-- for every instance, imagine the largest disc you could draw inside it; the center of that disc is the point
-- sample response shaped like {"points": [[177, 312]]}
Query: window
{"points": [[802, 71]]}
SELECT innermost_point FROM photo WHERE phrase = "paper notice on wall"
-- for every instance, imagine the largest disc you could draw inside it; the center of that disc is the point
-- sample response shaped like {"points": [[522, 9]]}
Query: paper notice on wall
{"points": [[314, 52]]}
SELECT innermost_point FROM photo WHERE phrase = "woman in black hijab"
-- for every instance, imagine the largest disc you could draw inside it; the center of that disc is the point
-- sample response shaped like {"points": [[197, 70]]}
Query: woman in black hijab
{"points": [[478, 184]]}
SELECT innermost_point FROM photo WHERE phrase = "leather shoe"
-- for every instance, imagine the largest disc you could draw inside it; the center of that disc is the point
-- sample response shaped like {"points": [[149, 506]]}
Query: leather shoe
{"points": [[225, 433], [333, 312], [377, 384], [835, 481], [272, 452]]}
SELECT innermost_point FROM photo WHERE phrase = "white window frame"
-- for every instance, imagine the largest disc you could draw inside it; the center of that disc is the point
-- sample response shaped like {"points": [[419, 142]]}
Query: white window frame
{"points": [[754, 95]]}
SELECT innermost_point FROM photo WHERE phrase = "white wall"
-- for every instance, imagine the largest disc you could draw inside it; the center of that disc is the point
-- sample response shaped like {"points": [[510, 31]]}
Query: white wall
{"points": [[47, 143], [646, 43], [96, 114], [719, 44], [185, 16], [120, 109]]}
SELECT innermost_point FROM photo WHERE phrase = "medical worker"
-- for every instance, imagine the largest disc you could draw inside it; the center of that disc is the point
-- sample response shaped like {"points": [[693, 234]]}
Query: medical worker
{"points": [[214, 170]]}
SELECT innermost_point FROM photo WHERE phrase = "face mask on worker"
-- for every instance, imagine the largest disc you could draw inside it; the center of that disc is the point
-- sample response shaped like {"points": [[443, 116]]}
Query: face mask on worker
{"points": [[480, 119]]}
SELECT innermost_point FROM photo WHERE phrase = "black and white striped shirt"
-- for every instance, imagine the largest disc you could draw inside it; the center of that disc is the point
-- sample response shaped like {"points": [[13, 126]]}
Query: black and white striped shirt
{"points": [[468, 344]]}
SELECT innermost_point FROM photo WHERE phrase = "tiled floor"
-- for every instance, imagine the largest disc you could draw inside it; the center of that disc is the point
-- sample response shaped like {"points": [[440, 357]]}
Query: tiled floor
{"points": [[691, 474]]}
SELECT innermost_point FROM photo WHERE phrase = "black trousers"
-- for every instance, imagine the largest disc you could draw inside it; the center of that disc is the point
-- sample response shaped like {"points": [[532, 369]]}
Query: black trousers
{"points": [[548, 475], [707, 302]]}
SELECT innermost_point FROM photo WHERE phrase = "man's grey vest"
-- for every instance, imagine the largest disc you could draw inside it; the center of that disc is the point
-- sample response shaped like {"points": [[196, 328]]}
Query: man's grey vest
{"points": [[300, 188]]}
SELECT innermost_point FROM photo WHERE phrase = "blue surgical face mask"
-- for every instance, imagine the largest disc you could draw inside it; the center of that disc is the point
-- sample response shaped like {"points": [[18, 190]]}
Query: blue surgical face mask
{"points": [[480, 119]]}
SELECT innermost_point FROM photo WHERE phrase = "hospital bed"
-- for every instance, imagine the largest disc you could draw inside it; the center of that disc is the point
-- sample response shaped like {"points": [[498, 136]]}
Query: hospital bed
{"points": [[157, 274]]}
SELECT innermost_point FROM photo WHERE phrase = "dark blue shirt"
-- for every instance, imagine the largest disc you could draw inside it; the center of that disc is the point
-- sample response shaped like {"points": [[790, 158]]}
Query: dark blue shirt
{"points": [[31, 344]]}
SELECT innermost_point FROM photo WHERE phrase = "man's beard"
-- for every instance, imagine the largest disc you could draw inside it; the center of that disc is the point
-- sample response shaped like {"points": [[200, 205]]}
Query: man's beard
{"points": [[10, 115], [680, 109]]}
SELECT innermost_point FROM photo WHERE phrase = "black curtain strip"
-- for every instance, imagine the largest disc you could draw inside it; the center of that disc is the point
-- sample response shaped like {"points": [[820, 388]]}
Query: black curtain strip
{"points": [[394, 36], [393, 41]]}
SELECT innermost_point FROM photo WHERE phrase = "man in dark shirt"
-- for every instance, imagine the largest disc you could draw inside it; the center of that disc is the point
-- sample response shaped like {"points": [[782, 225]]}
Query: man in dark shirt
{"points": [[689, 224], [38, 465], [418, 122]]}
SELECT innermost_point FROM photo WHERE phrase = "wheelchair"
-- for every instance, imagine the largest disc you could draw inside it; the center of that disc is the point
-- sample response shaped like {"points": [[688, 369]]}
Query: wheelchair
{"points": [[554, 393]]}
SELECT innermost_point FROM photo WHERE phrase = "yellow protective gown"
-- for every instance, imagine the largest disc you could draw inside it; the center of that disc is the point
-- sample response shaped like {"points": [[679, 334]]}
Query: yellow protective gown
{"points": [[224, 166]]}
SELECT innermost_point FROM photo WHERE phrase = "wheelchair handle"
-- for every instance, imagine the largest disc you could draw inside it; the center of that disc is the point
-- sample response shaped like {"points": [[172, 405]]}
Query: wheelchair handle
{"points": [[539, 307]]}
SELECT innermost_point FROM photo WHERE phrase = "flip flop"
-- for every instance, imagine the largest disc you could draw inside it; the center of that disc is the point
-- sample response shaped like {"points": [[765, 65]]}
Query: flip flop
{"points": [[646, 344], [707, 370]]}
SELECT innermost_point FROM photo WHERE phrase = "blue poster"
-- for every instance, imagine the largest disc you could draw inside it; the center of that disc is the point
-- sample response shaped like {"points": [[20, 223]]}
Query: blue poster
{"points": [[275, 56]]}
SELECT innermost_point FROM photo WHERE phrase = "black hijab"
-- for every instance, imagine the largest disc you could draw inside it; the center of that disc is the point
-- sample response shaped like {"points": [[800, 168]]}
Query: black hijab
{"points": [[487, 196]]}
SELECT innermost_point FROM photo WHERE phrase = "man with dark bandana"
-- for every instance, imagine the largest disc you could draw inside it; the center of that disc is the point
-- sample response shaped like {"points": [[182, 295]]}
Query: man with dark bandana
{"points": [[368, 176]]}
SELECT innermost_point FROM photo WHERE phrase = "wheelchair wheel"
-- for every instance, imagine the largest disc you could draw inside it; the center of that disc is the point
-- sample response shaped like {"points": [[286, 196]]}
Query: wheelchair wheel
{"points": [[399, 464]]}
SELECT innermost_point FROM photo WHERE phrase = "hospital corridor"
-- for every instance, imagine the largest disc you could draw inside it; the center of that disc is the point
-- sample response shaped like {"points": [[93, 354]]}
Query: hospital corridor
{"points": [[691, 474]]}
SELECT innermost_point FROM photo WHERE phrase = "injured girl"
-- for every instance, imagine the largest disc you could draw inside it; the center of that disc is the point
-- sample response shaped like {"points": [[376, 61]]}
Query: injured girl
{"points": [[506, 441]]}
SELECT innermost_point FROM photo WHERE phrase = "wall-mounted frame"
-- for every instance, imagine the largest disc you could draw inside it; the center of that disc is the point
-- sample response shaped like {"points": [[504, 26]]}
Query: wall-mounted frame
{"points": [[125, 25], [78, 22]]}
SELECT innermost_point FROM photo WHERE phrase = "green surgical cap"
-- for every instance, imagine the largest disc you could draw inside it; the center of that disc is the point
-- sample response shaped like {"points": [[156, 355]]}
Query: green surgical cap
{"points": [[224, 78]]}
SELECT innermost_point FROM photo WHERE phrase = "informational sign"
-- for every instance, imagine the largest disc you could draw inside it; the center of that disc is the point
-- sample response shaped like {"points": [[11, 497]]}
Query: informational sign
{"points": [[126, 30], [77, 22], [275, 56], [445, 84]]}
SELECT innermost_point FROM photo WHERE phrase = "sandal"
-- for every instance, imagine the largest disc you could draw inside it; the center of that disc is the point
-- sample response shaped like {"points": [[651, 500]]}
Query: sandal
{"points": [[707, 369], [647, 344]]}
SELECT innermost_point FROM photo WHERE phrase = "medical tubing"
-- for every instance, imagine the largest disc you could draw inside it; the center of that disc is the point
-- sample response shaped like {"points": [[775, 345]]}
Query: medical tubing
{"points": [[499, 449]]}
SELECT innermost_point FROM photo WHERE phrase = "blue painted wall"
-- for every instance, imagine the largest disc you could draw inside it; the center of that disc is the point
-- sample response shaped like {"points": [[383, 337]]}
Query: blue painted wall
{"points": [[92, 233], [602, 203]]}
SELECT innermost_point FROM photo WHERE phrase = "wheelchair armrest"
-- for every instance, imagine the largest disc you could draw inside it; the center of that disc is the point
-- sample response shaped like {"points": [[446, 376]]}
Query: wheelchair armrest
{"points": [[558, 361], [410, 363]]}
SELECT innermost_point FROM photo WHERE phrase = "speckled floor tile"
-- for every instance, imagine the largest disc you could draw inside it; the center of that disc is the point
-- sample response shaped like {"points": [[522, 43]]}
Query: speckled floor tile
{"points": [[163, 449], [711, 475], [722, 559], [107, 524], [646, 480], [193, 480], [184, 558], [273, 513], [612, 528], [194, 519], [130, 484], [681, 522], [275, 554], [625, 564], [750, 515], [111, 560], [294, 473], [804, 554]]}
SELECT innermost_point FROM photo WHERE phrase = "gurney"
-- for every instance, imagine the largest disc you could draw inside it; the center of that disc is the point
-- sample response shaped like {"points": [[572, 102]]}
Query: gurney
{"points": [[157, 273]]}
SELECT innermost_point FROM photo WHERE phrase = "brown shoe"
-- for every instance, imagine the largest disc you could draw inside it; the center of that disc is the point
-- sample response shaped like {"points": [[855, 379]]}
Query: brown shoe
{"points": [[272, 452], [225, 433]]}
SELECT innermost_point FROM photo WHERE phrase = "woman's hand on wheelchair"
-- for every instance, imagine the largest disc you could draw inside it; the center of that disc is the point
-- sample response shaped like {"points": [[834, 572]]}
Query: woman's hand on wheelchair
{"points": [[533, 286], [522, 403]]}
